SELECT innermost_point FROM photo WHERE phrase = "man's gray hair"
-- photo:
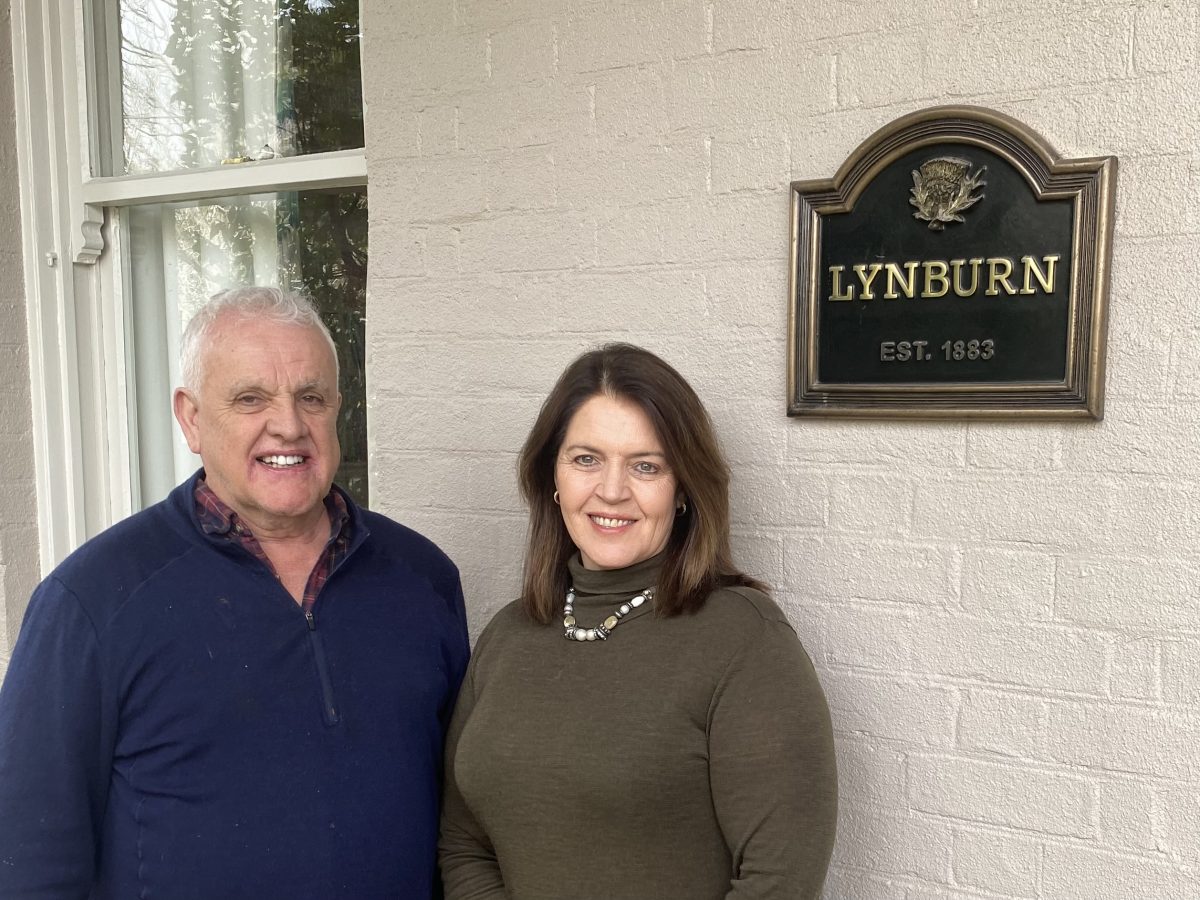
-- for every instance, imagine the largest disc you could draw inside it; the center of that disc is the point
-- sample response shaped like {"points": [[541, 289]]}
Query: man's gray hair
{"points": [[267, 303]]}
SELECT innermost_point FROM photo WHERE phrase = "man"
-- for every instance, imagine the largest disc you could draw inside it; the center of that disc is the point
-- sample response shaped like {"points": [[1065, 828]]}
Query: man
{"points": [[243, 690]]}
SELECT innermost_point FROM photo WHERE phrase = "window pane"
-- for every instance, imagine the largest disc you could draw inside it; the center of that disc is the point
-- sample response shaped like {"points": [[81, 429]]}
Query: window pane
{"points": [[205, 83], [183, 253]]}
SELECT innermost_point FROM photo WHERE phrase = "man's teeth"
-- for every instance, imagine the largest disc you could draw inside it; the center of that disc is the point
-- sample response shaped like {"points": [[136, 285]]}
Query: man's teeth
{"points": [[611, 523], [282, 460]]}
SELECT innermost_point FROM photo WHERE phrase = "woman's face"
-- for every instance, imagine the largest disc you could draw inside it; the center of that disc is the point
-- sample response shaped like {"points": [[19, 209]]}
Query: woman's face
{"points": [[616, 490]]}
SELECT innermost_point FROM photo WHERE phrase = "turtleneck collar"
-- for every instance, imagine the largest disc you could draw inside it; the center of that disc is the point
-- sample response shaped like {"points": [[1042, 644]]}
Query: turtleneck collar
{"points": [[629, 580]]}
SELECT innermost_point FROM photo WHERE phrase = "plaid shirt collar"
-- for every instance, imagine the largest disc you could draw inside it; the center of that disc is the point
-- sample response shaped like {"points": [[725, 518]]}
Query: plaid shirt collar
{"points": [[216, 518]]}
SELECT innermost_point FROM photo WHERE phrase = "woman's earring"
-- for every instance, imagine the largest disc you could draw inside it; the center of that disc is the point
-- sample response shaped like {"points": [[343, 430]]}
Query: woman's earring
{"points": [[556, 498], [681, 509]]}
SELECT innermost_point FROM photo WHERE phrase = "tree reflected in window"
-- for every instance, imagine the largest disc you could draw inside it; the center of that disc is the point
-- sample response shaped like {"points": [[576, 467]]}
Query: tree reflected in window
{"points": [[208, 83]]}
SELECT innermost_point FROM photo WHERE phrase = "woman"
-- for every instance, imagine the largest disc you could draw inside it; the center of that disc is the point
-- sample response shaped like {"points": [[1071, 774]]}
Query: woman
{"points": [[676, 745]]}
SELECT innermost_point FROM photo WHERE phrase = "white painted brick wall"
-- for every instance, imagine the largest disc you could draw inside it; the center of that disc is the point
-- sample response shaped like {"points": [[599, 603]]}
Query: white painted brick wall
{"points": [[19, 566], [1004, 615]]}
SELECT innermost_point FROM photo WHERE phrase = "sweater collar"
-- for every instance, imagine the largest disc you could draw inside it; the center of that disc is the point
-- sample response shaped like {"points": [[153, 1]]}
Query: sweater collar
{"points": [[629, 580], [183, 500]]}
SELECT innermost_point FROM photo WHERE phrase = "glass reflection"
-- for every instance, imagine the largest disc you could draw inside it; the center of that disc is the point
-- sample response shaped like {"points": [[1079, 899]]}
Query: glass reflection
{"points": [[183, 253], [208, 83]]}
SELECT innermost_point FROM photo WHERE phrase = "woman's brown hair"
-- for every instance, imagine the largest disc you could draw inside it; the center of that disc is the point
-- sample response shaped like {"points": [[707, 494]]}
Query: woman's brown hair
{"points": [[697, 556]]}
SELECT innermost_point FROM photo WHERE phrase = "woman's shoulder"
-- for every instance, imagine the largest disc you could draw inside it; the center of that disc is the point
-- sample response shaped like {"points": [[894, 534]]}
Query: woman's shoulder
{"points": [[510, 613], [745, 607], [762, 639], [508, 621], [506, 618]]}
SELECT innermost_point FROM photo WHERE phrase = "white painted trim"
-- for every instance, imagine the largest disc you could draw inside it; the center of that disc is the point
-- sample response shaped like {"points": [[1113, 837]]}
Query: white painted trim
{"points": [[38, 69], [75, 91], [344, 168], [124, 488]]}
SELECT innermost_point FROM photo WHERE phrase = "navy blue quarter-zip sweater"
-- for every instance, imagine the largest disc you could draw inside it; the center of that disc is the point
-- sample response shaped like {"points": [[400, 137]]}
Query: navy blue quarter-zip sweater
{"points": [[172, 725]]}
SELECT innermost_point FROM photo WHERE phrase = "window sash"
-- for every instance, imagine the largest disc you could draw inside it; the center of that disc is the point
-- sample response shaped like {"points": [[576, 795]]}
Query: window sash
{"points": [[339, 169], [75, 265]]}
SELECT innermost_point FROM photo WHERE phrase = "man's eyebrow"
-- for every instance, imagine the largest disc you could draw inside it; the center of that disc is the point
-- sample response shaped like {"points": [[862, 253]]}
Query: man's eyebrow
{"points": [[312, 384]]}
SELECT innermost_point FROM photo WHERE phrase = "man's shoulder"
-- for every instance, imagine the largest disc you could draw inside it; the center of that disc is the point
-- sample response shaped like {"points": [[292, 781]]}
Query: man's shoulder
{"points": [[107, 570], [406, 544], [399, 556], [145, 541], [147, 534]]}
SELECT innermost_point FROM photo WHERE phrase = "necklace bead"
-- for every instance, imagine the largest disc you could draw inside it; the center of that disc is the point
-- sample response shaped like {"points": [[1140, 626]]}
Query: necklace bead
{"points": [[572, 632]]}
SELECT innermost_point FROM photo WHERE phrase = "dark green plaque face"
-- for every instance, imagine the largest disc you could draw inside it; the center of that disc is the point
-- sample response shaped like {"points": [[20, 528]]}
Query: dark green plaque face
{"points": [[954, 266], [966, 301]]}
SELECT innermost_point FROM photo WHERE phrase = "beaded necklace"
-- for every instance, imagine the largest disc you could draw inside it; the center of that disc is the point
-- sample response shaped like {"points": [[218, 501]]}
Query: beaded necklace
{"points": [[601, 632]]}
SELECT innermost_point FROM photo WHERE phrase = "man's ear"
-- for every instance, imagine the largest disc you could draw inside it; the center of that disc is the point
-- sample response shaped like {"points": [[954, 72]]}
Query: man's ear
{"points": [[187, 411]]}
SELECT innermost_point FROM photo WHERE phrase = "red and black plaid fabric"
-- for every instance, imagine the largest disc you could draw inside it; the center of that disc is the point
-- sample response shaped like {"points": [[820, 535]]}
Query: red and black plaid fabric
{"points": [[217, 518]]}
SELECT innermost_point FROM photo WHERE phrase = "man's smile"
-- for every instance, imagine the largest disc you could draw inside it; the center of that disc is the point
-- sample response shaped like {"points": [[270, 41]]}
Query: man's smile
{"points": [[279, 461]]}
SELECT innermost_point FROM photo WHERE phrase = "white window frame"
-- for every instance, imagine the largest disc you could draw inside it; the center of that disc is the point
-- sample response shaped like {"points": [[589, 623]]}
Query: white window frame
{"points": [[77, 305]]}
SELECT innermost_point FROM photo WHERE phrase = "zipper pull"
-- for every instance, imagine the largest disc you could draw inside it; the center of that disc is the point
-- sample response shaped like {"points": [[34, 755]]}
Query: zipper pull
{"points": [[312, 620]]}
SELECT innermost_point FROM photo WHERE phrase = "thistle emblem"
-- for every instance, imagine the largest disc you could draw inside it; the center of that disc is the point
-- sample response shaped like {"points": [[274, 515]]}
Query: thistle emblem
{"points": [[942, 188]]}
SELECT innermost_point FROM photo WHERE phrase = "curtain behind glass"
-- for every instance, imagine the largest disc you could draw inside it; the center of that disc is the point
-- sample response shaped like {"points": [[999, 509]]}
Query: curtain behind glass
{"points": [[199, 82], [212, 82]]}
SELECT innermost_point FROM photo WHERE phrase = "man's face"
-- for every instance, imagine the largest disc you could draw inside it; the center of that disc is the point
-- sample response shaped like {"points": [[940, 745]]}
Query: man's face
{"points": [[264, 421]]}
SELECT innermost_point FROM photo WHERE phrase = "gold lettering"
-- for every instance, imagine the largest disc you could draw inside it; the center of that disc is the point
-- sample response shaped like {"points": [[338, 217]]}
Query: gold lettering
{"points": [[1033, 269], [999, 268], [867, 279], [935, 271], [957, 265], [835, 275], [939, 278], [894, 277]]}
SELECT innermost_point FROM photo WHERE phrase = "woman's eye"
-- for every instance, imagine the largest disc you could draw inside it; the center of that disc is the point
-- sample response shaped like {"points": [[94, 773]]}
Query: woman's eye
{"points": [[646, 468], [585, 460]]}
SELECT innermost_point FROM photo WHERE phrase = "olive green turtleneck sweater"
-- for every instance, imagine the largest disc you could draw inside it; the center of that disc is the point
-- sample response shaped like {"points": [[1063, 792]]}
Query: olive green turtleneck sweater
{"points": [[684, 758]]}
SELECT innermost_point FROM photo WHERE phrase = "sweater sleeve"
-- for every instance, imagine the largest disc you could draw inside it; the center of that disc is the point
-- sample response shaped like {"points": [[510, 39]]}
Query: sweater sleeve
{"points": [[55, 752], [772, 769], [470, 870], [458, 652]]}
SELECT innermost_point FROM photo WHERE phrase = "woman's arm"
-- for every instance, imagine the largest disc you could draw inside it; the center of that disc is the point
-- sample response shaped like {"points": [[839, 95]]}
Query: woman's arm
{"points": [[772, 769], [466, 856]]}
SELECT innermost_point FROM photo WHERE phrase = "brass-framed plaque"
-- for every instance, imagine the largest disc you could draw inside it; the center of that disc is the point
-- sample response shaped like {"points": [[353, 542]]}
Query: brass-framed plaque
{"points": [[954, 266]]}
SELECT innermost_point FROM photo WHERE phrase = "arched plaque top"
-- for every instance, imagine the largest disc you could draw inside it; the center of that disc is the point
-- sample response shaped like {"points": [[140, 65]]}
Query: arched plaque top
{"points": [[1027, 151]]}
